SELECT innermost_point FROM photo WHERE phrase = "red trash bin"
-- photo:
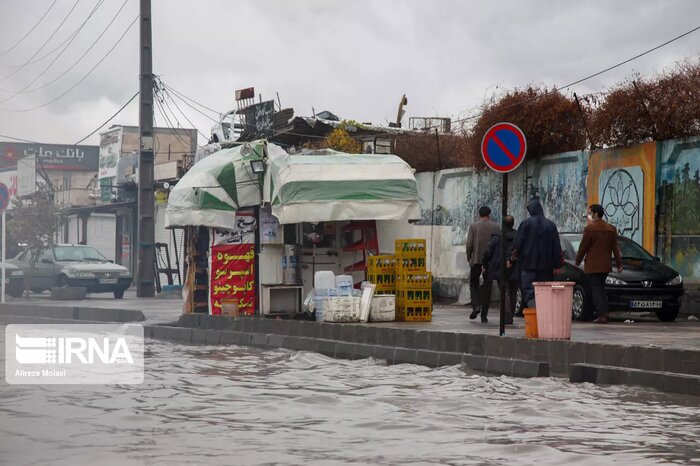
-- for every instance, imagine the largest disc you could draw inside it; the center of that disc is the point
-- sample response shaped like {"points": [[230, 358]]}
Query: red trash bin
{"points": [[553, 301]]}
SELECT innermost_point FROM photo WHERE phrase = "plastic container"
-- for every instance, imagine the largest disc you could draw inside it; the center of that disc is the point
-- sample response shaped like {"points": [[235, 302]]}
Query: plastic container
{"points": [[344, 284], [324, 280], [530, 315], [340, 309], [554, 301], [383, 308]]}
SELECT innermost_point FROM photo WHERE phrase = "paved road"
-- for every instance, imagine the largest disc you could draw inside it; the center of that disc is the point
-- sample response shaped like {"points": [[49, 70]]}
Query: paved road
{"points": [[682, 334]]}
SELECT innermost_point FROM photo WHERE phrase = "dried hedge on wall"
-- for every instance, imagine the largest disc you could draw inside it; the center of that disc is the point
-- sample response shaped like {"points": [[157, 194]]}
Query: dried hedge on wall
{"points": [[665, 106]]}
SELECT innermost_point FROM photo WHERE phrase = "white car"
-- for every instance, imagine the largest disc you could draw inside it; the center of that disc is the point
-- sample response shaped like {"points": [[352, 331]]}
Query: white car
{"points": [[74, 265]]}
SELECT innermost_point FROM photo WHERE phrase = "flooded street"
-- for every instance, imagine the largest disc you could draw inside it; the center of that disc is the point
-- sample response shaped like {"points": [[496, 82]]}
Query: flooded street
{"points": [[232, 405]]}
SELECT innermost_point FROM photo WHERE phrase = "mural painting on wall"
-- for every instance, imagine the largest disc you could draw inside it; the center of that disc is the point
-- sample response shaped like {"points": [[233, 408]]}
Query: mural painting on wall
{"points": [[620, 195], [560, 182], [458, 195], [623, 181], [679, 205]]}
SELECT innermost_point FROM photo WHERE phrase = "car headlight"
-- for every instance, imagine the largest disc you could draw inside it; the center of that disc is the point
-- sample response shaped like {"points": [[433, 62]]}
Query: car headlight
{"points": [[84, 275], [675, 281], [17, 273], [614, 281], [124, 273]]}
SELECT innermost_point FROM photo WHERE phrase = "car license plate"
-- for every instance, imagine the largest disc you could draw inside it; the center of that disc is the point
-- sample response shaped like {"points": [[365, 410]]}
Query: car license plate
{"points": [[108, 281], [646, 304]]}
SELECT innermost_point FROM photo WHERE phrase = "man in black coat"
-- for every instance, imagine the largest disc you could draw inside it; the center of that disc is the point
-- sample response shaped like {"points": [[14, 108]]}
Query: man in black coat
{"points": [[537, 251], [492, 268]]}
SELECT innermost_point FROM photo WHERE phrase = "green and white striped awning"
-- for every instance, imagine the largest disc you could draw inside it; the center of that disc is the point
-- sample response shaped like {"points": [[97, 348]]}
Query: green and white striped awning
{"points": [[214, 188], [328, 185]]}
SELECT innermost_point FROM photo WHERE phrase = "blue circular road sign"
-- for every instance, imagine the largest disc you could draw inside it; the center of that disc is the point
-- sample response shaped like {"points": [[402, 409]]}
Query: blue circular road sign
{"points": [[503, 147]]}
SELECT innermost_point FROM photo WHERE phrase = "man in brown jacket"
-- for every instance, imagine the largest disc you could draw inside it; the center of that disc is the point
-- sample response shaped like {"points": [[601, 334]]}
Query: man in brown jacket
{"points": [[598, 245], [478, 237]]}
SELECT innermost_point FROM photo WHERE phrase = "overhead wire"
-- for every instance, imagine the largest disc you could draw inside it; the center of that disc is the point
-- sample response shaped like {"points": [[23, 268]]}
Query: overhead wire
{"points": [[586, 78], [81, 79], [69, 68], [81, 140], [171, 126], [109, 119], [80, 28], [44, 44], [167, 95], [2, 54]]}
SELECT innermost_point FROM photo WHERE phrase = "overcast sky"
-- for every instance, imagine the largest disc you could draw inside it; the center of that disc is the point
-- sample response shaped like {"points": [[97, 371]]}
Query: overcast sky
{"points": [[355, 58]]}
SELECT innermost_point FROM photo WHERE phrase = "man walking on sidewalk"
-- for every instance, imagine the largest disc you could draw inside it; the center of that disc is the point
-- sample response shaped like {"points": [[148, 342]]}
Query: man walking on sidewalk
{"points": [[492, 269], [478, 237], [537, 250], [597, 246]]}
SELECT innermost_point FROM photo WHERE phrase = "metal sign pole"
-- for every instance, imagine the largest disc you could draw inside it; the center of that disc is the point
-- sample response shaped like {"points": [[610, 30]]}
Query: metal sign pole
{"points": [[504, 280], [4, 272]]}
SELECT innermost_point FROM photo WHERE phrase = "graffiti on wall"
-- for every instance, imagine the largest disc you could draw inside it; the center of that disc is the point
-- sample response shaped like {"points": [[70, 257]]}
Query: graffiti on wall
{"points": [[679, 205], [620, 195], [560, 182], [623, 181], [458, 195]]}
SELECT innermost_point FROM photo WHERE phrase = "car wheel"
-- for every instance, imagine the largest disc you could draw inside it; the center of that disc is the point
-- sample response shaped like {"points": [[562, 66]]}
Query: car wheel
{"points": [[667, 315], [580, 310], [15, 292], [118, 294], [61, 281]]}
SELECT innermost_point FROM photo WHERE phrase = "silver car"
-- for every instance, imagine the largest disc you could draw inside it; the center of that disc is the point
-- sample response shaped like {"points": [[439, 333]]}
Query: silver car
{"points": [[74, 265]]}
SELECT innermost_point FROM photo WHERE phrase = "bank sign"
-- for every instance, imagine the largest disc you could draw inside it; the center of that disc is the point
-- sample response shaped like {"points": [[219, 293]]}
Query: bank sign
{"points": [[51, 156]]}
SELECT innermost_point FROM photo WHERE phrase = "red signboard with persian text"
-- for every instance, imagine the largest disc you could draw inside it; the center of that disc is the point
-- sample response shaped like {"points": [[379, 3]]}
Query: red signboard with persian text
{"points": [[233, 276], [232, 271]]}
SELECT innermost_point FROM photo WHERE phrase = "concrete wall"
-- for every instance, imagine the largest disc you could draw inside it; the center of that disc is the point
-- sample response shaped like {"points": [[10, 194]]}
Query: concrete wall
{"points": [[678, 205], [636, 185]]}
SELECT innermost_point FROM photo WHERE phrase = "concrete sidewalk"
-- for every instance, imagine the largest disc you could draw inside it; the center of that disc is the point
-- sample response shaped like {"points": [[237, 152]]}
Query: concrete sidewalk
{"points": [[665, 356], [682, 334]]}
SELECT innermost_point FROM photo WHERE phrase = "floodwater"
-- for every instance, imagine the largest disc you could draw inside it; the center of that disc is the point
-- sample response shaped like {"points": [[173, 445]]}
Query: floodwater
{"points": [[233, 405]]}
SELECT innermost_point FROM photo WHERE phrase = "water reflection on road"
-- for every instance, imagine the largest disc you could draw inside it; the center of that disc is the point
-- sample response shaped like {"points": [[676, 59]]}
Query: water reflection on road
{"points": [[206, 405]]}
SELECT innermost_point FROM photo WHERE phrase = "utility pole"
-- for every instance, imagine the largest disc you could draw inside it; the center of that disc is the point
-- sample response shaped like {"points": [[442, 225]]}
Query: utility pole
{"points": [[145, 271]]}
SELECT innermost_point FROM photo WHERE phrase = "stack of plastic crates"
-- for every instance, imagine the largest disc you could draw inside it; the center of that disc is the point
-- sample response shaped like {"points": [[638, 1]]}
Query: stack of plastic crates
{"points": [[381, 272], [414, 284]]}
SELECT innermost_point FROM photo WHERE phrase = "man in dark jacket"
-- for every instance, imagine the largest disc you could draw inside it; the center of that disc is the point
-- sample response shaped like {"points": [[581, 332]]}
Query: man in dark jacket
{"points": [[537, 250], [478, 237], [492, 268], [598, 244]]}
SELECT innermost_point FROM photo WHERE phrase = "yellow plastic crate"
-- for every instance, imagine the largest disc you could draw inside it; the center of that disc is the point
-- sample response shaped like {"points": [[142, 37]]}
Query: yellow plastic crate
{"points": [[414, 281], [382, 279], [382, 264], [414, 313], [405, 265], [409, 248], [414, 297]]}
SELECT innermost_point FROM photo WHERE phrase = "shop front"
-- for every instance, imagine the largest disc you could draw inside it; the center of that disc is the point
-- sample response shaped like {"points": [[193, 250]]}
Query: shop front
{"points": [[262, 223]]}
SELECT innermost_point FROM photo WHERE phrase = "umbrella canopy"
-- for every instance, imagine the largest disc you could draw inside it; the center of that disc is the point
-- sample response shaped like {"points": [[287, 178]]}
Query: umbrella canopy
{"points": [[215, 187], [326, 185]]}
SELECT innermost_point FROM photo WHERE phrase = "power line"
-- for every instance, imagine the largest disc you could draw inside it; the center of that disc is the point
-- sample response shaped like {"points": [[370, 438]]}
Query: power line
{"points": [[84, 53], [191, 99], [30, 31], [91, 133], [77, 31], [81, 79], [170, 124], [168, 95], [44, 44], [108, 119], [579, 81]]}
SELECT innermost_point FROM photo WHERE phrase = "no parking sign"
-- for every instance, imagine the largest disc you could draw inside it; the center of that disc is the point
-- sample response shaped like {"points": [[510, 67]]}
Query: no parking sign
{"points": [[503, 147]]}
